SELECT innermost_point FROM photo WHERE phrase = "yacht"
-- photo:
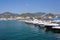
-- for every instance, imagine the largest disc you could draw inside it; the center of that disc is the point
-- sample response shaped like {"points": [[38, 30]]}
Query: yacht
{"points": [[50, 24]]}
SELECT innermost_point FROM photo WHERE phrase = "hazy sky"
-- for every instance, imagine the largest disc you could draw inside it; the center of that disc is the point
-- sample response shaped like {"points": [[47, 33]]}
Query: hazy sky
{"points": [[23, 6]]}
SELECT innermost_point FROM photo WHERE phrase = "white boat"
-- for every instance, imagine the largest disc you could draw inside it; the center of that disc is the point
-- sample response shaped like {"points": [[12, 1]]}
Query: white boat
{"points": [[35, 22], [49, 25], [28, 21], [57, 27], [41, 23], [56, 20]]}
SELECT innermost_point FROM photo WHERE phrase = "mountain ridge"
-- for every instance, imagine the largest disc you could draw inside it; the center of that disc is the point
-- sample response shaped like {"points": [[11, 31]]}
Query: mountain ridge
{"points": [[9, 14]]}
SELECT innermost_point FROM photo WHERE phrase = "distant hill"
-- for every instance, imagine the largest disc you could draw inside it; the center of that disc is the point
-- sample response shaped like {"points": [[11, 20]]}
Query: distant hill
{"points": [[38, 14], [8, 15], [32, 14], [50, 14], [27, 14]]}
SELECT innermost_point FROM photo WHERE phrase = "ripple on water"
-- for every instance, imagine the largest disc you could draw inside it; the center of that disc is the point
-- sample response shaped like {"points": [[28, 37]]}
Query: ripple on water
{"points": [[16, 30]]}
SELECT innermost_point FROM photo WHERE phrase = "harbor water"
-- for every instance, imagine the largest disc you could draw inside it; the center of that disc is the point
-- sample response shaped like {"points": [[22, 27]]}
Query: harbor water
{"points": [[17, 30]]}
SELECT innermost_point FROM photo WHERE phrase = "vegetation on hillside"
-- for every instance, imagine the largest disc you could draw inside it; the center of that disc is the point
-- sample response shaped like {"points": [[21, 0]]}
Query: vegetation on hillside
{"points": [[38, 14]]}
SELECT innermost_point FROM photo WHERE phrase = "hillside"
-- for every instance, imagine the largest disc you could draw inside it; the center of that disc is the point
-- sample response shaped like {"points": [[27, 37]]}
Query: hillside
{"points": [[38, 14], [8, 15], [32, 14]]}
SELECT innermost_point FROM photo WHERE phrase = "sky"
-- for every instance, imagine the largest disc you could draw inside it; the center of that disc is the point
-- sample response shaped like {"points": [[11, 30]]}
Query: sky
{"points": [[30, 6]]}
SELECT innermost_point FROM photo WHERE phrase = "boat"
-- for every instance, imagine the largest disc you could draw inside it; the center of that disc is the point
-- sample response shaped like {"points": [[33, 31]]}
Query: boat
{"points": [[35, 22], [56, 29], [49, 24], [54, 25], [57, 21]]}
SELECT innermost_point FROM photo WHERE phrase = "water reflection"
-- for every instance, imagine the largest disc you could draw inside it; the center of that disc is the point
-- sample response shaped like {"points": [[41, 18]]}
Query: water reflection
{"points": [[47, 32], [50, 33], [38, 27]]}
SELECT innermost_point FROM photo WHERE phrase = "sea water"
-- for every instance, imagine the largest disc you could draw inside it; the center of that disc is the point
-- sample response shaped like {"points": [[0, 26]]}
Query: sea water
{"points": [[17, 30]]}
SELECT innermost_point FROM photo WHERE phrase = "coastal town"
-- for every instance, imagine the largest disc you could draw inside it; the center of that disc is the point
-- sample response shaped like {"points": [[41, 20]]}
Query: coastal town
{"points": [[49, 21], [27, 16]]}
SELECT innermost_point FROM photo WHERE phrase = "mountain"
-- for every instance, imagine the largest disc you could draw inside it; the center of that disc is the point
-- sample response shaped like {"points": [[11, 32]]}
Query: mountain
{"points": [[32, 14], [37, 14], [27, 14], [50, 14], [8, 15]]}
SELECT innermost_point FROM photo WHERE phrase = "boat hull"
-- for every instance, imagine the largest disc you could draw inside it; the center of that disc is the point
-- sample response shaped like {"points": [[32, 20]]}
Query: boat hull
{"points": [[55, 30]]}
